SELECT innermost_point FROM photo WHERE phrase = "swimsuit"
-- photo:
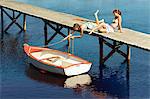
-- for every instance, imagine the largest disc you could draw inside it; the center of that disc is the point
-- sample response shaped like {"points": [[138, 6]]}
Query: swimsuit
{"points": [[112, 27], [90, 25], [109, 28]]}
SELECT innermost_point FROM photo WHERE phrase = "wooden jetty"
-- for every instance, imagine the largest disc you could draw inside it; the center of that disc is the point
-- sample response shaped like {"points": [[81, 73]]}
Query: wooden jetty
{"points": [[58, 20]]}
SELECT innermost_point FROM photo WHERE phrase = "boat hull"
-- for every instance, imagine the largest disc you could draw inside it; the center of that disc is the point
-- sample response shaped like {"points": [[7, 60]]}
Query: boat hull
{"points": [[81, 67], [46, 67], [70, 71]]}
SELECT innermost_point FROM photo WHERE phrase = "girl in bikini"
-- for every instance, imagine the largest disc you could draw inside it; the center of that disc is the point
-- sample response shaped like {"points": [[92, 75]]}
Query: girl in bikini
{"points": [[106, 28]]}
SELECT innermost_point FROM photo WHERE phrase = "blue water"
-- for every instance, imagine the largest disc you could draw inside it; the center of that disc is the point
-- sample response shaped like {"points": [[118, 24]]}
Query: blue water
{"points": [[19, 80]]}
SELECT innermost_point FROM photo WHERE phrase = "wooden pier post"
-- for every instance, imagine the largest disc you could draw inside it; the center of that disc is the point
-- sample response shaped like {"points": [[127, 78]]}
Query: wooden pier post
{"points": [[68, 38], [24, 22], [2, 23], [128, 70], [127, 73], [45, 32], [69, 41], [101, 43], [128, 54], [13, 14]]}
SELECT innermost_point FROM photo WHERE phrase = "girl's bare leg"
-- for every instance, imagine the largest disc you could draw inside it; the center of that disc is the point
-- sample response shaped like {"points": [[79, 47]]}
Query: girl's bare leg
{"points": [[96, 17], [101, 27], [103, 30]]}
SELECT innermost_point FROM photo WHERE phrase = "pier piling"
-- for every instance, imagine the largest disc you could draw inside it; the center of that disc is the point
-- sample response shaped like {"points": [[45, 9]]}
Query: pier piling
{"points": [[24, 22], [101, 43], [128, 54], [2, 23], [45, 33]]}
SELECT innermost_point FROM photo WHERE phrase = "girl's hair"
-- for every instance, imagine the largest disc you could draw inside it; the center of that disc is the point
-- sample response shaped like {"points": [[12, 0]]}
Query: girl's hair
{"points": [[117, 11], [76, 26]]}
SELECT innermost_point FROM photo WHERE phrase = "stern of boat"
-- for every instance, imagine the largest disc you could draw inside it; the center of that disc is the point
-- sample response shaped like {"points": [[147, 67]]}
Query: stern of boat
{"points": [[76, 70]]}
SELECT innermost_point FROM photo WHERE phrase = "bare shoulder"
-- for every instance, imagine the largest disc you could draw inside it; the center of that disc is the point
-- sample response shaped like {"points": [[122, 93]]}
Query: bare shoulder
{"points": [[120, 18]]}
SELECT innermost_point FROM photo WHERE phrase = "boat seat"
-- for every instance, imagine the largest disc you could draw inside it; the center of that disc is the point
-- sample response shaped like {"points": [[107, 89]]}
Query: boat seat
{"points": [[49, 58], [66, 64], [58, 62], [42, 55]]}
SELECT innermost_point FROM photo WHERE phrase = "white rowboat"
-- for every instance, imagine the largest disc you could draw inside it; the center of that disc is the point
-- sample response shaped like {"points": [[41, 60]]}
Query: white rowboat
{"points": [[56, 61]]}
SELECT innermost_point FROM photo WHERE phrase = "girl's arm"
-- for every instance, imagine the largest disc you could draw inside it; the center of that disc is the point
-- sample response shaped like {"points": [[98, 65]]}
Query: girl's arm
{"points": [[120, 24], [81, 34], [72, 37]]}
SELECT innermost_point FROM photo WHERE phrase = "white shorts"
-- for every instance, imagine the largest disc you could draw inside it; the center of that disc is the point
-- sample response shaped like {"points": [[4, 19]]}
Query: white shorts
{"points": [[90, 25], [109, 28]]}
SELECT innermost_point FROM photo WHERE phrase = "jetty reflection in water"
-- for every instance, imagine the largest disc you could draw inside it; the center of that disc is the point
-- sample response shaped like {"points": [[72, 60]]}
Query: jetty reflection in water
{"points": [[113, 83]]}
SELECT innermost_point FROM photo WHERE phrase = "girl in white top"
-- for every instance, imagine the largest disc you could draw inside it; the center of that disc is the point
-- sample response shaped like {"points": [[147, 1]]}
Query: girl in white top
{"points": [[106, 28]]}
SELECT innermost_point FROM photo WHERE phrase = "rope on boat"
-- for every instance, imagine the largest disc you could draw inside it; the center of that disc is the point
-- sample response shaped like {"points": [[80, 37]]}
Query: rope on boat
{"points": [[73, 46], [67, 37], [58, 41]]}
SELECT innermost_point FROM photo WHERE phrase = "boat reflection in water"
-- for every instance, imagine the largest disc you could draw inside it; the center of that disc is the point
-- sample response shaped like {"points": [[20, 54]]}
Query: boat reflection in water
{"points": [[77, 81], [58, 80]]}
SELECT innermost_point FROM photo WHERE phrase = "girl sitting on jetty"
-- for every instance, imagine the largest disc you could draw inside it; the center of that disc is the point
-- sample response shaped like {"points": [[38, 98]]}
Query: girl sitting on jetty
{"points": [[106, 28], [101, 26]]}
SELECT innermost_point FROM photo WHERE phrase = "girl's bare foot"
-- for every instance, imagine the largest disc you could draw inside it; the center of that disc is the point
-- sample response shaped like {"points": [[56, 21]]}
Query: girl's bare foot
{"points": [[96, 12]]}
